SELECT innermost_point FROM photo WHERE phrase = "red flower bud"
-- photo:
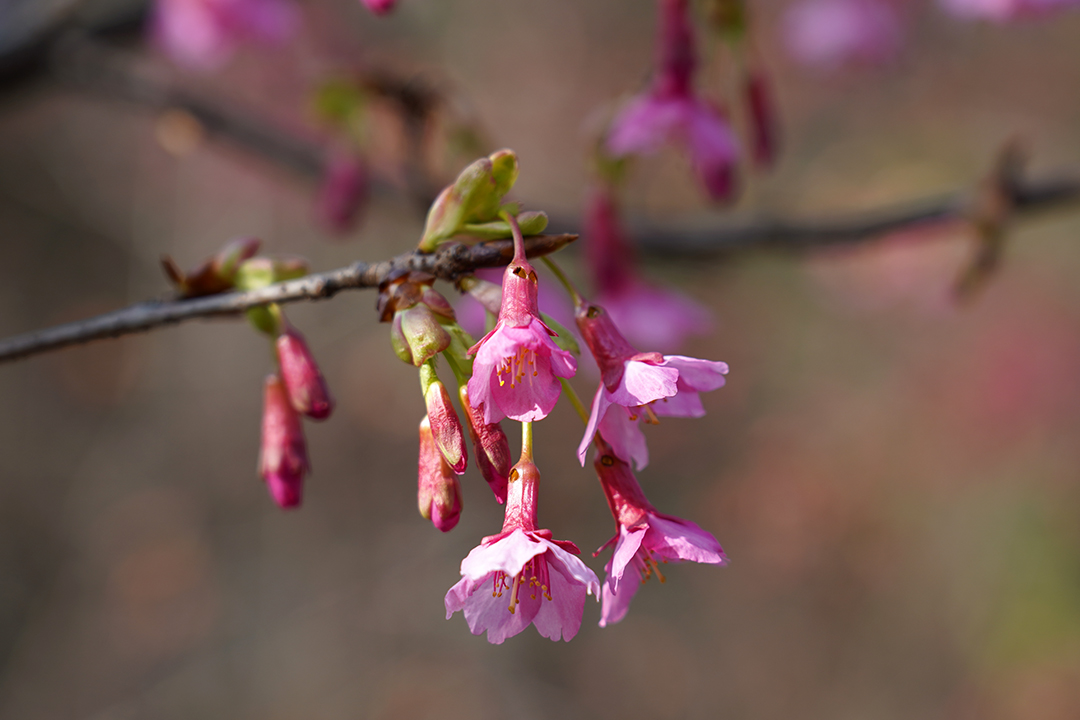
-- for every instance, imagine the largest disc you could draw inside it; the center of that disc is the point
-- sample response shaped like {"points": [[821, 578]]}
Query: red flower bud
{"points": [[490, 447], [283, 456], [438, 493], [445, 426], [307, 388]]}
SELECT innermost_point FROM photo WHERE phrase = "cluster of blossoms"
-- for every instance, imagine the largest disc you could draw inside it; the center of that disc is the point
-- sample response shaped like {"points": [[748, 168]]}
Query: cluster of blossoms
{"points": [[518, 371]]}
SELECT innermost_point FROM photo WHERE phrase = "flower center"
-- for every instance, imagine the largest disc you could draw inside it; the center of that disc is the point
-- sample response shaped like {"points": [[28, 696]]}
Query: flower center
{"points": [[648, 565], [650, 416], [534, 575], [514, 368]]}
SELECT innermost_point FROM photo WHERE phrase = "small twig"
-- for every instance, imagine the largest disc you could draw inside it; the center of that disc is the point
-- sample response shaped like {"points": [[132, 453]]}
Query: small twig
{"points": [[448, 263]]}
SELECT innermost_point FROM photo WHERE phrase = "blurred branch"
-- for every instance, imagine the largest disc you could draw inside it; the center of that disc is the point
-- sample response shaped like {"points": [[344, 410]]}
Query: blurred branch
{"points": [[1027, 197], [448, 263]]}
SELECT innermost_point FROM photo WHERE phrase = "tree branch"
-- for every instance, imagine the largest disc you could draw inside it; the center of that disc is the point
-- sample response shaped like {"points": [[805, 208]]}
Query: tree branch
{"points": [[1029, 198], [448, 263]]}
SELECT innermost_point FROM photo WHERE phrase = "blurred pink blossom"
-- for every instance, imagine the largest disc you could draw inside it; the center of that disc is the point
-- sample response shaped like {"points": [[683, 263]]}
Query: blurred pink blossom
{"points": [[830, 33], [1005, 10], [646, 315], [670, 112], [379, 7], [202, 34], [343, 193]]}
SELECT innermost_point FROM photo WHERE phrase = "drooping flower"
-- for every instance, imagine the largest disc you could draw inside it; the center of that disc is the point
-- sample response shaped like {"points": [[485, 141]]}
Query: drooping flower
{"points": [[832, 33], [438, 490], [648, 315], [302, 377], [521, 576], [646, 538], [634, 385], [1005, 10], [670, 112], [283, 458], [202, 34], [517, 365]]}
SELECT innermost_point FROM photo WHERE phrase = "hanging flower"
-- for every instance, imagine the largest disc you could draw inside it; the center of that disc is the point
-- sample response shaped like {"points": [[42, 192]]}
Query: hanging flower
{"points": [[202, 34], [646, 539], [521, 576], [636, 385], [283, 458]]}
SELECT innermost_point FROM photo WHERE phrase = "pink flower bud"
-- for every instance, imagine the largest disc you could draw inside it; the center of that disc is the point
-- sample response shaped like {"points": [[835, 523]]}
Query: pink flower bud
{"points": [[763, 125], [490, 447], [445, 426], [283, 456], [343, 194], [438, 493], [307, 388], [379, 7]]}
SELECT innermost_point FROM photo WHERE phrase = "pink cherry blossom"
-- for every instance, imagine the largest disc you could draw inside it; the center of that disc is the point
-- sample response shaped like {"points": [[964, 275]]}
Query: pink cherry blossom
{"points": [[646, 538], [283, 456], [646, 314], [517, 365], [830, 33], [634, 385], [1005, 10], [521, 576], [671, 113], [202, 34]]}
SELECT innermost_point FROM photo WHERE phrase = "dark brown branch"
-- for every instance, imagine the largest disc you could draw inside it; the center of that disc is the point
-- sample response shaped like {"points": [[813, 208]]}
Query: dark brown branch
{"points": [[799, 235], [448, 263]]}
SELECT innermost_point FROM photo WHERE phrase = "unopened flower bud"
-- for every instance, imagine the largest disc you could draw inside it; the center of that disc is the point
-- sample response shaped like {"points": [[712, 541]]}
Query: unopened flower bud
{"points": [[445, 426], [490, 447], [438, 491], [417, 335], [307, 388], [283, 456], [475, 197]]}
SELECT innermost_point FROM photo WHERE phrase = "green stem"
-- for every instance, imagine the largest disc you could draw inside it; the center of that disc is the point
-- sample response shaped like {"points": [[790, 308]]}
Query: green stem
{"points": [[575, 400], [574, 294], [519, 239], [526, 442]]}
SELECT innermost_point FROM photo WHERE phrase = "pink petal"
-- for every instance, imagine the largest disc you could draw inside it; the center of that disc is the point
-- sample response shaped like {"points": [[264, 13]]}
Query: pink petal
{"points": [[508, 555], [533, 398], [483, 611], [685, 404], [625, 550], [600, 406], [572, 569], [613, 606], [643, 126], [625, 436], [560, 617], [697, 375], [642, 383], [679, 539]]}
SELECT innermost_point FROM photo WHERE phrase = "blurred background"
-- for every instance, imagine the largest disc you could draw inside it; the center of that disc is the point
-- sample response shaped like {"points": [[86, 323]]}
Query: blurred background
{"points": [[894, 477]]}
